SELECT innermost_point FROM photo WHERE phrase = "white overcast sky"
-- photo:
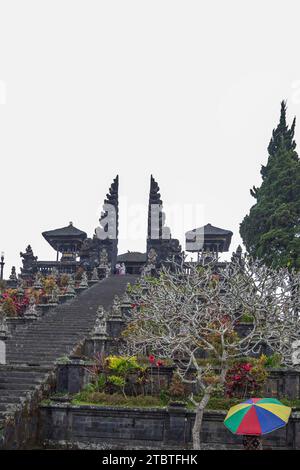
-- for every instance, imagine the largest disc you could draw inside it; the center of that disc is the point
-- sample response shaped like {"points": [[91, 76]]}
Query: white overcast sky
{"points": [[187, 90]]}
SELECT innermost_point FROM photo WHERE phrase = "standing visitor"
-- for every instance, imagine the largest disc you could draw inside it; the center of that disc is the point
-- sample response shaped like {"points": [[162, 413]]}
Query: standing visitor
{"points": [[122, 269]]}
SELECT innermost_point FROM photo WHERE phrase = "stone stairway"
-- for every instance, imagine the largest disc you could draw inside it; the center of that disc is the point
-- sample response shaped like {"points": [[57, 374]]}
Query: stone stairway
{"points": [[33, 351]]}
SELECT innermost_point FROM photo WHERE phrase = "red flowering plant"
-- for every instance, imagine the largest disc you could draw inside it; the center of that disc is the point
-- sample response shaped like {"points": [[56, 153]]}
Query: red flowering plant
{"points": [[246, 379], [137, 305], [155, 363], [13, 304], [152, 359]]}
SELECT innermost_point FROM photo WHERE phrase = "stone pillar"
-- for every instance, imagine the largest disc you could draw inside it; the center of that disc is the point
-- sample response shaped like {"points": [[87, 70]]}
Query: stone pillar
{"points": [[176, 429], [291, 384], [115, 321]]}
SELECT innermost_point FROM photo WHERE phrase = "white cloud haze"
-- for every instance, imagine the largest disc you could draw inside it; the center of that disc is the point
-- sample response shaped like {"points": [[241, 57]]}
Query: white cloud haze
{"points": [[186, 90]]}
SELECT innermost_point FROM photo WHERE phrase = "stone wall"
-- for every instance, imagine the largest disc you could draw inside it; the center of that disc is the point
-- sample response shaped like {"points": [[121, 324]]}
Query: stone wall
{"points": [[96, 427], [21, 431], [74, 375]]}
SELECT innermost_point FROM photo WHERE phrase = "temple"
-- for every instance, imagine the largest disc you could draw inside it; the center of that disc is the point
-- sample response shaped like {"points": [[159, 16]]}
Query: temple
{"points": [[74, 249]]}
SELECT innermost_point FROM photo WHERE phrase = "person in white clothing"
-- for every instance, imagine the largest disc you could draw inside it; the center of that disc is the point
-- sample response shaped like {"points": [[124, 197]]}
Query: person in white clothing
{"points": [[122, 269]]}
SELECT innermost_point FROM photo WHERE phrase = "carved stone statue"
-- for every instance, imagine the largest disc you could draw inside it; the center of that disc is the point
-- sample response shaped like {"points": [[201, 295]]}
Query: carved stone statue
{"points": [[152, 257], [13, 275], [28, 256], [151, 263], [103, 257], [126, 296], [21, 288], [146, 271], [116, 308], [38, 281], [100, 329], [84, 281], [95, 276], [29, 262], [31, 311], [13, 279], [54, 297], [70, 287]]}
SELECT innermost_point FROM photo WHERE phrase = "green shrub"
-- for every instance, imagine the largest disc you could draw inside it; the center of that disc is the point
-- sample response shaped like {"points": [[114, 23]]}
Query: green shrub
{"points": [[246, 318], [116, 399], [273, 361]]}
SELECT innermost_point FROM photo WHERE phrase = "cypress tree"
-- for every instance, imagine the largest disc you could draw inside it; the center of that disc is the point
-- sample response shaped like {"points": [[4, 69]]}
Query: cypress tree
{"points": [[271, 230]]}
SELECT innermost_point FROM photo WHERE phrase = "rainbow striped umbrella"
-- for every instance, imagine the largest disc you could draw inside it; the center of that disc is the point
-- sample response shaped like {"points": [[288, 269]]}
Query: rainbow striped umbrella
{"points": [[257, 416]]}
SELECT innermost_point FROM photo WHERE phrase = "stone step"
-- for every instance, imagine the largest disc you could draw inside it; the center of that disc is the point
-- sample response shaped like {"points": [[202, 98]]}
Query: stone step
{"points": [[7, 407], [16, 386], [19, 380], [10, 399]]}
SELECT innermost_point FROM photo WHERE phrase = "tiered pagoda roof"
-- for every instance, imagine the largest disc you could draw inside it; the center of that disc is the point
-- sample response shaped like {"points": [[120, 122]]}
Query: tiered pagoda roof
{"points": [[59, 237]]}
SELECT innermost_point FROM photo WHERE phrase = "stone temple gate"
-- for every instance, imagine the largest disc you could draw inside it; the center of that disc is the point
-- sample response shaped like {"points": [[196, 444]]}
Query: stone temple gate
{"points": [[74, 249]]}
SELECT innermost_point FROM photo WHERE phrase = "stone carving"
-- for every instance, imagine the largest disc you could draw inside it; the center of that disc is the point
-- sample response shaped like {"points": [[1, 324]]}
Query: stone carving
{"points": [[126, 296], [103, 257], [152, 257], [95, 277], [54, 297], [13, 275], [29, 262], [21, 288], [100, 329], [116, 308], [151, 263], [158, 234], [31, 311], [84, 281], [13, 279], [70, 287], [106, 234], [38, 281], [146, 271]]}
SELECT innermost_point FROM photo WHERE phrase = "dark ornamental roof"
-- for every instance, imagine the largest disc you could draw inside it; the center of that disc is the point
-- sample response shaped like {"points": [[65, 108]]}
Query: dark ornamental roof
{"points": [[62, 235], [132, 257], [209, 238], [69, 231]]}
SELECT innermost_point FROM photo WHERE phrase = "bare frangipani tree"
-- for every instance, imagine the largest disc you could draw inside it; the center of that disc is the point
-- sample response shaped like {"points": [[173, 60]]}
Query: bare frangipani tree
{"points": [[193, 310]]}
